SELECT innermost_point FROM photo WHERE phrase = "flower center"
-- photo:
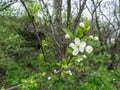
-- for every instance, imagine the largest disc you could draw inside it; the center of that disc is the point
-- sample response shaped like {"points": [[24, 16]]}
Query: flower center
{"points": [[77, 46]]}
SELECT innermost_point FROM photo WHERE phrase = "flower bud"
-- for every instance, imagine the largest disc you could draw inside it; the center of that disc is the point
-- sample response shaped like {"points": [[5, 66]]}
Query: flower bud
{"points": [[67, 36], [96, 38], [80, 59], [84, 56], [89, 49], [91, 37], [49, 78], [81, 24]]}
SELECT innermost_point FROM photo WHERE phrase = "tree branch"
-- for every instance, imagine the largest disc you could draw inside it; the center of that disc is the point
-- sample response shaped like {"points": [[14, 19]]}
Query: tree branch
{"points": [[77, 19], [37, 35], [7, 5]]}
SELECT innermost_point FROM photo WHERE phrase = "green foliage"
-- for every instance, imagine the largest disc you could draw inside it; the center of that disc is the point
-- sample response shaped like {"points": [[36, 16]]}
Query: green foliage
{"points": [[5, 60], [80, 31], [98, 80], [29, 85], [41, 57], [33, 7], [15, 74], [31, 69], [2, 88], [96, 77], [11, 50], [8, 45]]}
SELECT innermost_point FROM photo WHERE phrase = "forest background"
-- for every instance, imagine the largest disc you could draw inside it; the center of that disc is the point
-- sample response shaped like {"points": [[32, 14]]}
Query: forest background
{"points": [[36, 51]]}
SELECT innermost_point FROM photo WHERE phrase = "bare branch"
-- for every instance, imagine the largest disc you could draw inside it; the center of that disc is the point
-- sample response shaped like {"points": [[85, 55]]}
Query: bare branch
{"points": [[14, 87], [77, 19], [7, 5]]}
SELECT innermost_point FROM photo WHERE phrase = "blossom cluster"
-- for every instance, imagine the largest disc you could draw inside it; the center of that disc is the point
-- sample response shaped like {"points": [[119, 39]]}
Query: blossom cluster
{"points": [[80, 46]]}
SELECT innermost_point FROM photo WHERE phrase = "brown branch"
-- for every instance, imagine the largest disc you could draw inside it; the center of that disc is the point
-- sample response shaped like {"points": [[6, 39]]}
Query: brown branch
{"points": [[107, 19], [11, 88], [8, 5], [96, 6], [37, 35], [68, 13], [51, 24], [53, 36], [77, 19]]}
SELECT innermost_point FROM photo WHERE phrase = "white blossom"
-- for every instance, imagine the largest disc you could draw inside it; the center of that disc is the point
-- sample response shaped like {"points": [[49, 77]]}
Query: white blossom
{"points": [[91, 37], [55, 71], [67, 36], [113, 79], [84, 56], [70, 73], [89, 49], [77, 46], [95, 38], [81, 24], [49, 78], [80, 59]]}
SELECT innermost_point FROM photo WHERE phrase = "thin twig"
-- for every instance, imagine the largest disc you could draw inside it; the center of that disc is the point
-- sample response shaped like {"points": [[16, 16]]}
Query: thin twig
{"points": [[8, 5], [51, 24], [77, 19], [14, 87]]}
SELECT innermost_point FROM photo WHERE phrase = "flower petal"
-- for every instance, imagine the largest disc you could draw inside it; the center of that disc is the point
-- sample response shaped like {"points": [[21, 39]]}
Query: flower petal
{"points": [[75, 52], [72, 45], [82, 46], [89, 49], [77, 41]]}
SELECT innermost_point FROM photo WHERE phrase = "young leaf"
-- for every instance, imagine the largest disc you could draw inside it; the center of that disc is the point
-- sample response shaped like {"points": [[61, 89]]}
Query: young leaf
{"points": [[41, 57], [64, 63], [87, 26], [78, 32], [67, 31], [35, 8]]}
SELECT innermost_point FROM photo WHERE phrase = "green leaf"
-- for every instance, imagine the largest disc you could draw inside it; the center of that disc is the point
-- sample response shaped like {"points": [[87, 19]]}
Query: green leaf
{"points": [[71, 79], [67, 31], [87, 26], [35, 8], [41, 57], [29, 7], [64, 61], [61, 86], [2, 88], [44, 43], [69, 50], [79, 32]]}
